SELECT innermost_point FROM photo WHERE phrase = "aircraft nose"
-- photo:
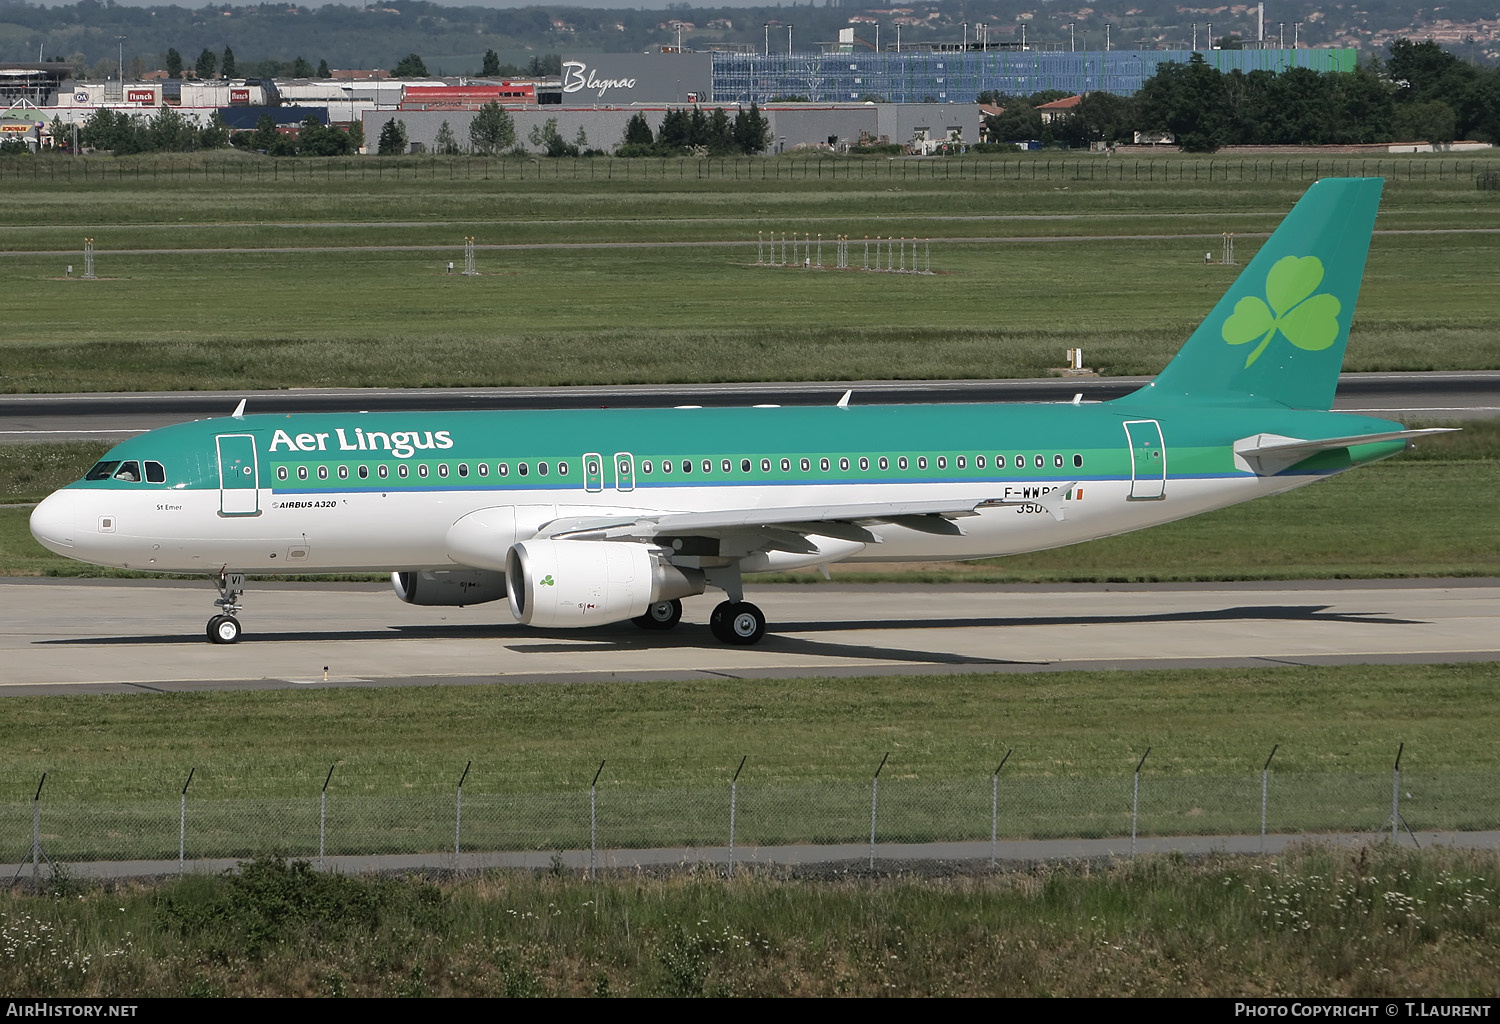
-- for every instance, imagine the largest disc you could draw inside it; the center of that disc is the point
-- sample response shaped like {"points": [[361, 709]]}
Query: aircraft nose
{"points": [[52, 522]]}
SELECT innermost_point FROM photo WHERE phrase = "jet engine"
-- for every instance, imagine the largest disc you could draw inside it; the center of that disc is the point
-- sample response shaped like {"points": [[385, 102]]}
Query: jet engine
{"points": [[570, 583], [449, 587]]}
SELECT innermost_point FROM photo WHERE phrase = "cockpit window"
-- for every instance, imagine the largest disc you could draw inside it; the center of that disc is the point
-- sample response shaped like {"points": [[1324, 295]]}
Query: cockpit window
{"points": [[102, 471], [155, 473], [129, 471]]}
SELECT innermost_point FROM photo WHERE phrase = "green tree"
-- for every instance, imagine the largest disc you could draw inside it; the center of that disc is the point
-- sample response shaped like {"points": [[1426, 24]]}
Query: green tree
{"points": [[444, 142], [698, 128], [1098, 117], [638, 131], [318, 139], [1482, 107], [752, 132], [301, 68], [265, 135], [1431, 121], [1189, 100], [1423, 72], [547, 66], [1018, 122], [170, 132], [356, 135], [323, 71], [227, 65], [117, 132], [491, 67], [174, 63], [410, 66], [392, 138], [206, 64], [62, 134], [549, 140], [215, 135], [720, 132], [492, 131], [674, 135]]}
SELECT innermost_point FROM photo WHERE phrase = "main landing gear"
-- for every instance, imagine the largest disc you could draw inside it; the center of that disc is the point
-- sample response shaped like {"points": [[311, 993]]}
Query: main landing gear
{"points": [[225, 628], [661, 615], [737, 622], [732, 622]]}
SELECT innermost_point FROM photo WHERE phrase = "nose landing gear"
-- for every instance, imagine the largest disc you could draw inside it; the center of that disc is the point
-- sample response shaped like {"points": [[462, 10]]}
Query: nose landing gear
{"points": [[225, 628]]}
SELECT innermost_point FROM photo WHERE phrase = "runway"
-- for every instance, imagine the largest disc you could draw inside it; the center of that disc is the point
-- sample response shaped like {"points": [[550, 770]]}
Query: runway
{"points": [[92, 636]]}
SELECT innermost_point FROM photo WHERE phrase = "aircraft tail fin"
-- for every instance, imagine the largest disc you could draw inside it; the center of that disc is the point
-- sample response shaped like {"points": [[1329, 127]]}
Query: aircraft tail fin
{"points": [[1279, 333]]}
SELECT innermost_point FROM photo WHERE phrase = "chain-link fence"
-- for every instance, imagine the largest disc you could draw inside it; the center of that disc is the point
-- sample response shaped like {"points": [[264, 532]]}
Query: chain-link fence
{"points": [[643, 805], [1039, 167]]}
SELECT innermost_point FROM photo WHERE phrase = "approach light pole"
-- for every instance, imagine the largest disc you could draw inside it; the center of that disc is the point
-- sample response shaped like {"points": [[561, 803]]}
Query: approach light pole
{"points": [[1072, 46], [768, 39], [121, 41], [789, 39]]}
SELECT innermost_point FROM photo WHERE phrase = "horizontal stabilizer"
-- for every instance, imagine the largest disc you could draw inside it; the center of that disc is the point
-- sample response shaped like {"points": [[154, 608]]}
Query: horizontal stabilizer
{"points": [[1269, 454]]}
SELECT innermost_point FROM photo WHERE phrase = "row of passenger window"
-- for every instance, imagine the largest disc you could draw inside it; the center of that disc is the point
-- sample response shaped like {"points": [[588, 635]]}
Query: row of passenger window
{"points": [[864, 463], [666, 466], [423, 471]]}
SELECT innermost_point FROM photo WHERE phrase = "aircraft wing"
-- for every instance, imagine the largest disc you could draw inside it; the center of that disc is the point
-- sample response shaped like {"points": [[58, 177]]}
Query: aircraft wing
{"points": [[938, 515], [848, 521], [1269, 454]]}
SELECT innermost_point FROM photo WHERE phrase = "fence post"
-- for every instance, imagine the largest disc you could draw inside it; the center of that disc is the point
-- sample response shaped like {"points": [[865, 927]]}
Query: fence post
{"points": [[995, 804], [458, 810], [1265, 788], [734, 784], [594, 821], [1396, 794], [323, 815], [874, 802], [182, 823], [1135, 804], [36, 835]]}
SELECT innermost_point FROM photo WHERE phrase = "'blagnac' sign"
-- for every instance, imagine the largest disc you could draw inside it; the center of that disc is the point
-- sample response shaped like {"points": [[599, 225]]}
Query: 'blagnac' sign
{"points": [[636, 77], [576, 77]]}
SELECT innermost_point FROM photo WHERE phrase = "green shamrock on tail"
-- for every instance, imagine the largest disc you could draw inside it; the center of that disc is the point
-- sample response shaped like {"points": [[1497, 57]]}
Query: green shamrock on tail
{"points": [[547, 581], [1309, 321]]}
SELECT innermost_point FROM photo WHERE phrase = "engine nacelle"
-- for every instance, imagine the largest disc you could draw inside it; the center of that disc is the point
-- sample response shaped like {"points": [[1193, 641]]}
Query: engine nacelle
{"points": [[571, 583], [449, 587]]}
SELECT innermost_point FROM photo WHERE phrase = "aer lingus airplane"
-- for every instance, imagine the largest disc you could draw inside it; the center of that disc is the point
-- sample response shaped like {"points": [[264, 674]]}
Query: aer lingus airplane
{"points": [[587, 517]]}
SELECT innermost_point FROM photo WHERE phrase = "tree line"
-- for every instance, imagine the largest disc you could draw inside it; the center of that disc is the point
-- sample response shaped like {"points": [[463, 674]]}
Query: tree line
{"points": [[1420, 93]]}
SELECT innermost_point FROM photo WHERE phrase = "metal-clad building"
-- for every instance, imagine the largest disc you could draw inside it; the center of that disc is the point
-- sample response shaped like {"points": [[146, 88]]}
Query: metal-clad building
{"points": [[949, 77], [792, 125]]}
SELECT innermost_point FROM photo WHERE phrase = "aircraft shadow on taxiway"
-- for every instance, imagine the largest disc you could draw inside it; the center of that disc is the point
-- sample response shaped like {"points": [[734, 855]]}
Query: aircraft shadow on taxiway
{"points": [[623, 636]]}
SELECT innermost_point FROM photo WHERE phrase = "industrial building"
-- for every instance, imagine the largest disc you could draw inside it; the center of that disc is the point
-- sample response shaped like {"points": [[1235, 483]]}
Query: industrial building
{"points": [[838, 96]]}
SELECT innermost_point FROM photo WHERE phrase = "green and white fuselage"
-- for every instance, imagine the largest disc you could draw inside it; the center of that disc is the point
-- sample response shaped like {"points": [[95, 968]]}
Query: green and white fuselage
{"points": [[244, 494], [585, 517]]}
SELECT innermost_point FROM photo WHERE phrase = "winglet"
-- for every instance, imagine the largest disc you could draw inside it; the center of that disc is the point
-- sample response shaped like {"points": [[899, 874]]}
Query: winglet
{"points": [[844, 402], [239, 410]]}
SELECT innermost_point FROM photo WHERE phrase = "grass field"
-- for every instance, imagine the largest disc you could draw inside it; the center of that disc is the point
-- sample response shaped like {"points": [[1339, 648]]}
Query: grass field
{"points": [[1115, 266], [1372, 922], [665, 753]]}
